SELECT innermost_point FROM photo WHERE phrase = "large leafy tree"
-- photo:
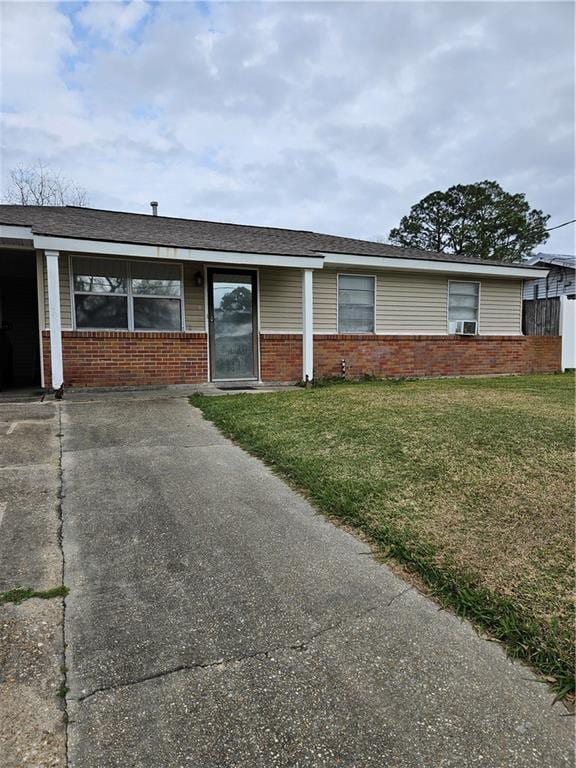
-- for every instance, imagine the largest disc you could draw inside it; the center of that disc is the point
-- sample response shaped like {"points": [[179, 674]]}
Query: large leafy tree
{"points": [[480, 220]]}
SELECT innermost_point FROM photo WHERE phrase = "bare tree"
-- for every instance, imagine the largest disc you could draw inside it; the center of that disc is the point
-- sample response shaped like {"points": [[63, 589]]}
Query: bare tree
{"points": [[41, 185]]}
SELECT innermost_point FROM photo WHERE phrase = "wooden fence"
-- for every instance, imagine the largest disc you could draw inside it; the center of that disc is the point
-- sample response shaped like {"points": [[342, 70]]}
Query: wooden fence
{"points": [[541, 317]]}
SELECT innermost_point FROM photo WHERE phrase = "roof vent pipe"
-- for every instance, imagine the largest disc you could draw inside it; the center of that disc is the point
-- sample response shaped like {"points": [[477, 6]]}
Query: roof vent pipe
{"points": [[154, 206]]}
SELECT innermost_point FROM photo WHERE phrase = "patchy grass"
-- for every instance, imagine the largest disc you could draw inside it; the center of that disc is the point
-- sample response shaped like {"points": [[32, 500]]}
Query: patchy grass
{"points": [[467, 482], [25, 593], [63, 690]]}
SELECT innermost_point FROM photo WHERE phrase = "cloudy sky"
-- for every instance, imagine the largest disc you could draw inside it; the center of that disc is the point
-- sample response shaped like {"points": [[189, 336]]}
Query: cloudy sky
{"points": [[335, 117]]}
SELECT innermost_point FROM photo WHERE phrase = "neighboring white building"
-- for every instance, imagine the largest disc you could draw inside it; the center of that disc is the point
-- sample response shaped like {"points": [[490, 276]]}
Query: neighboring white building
{"points": [[560, 280], [558, 284]]}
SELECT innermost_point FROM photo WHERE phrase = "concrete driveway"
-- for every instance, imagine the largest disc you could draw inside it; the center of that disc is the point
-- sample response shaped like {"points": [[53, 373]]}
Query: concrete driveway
{"points": [[215, 620], [32, 728]]}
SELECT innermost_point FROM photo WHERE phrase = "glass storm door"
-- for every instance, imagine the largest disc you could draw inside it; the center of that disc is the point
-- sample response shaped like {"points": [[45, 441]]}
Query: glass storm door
{"points": [[232, 324]]}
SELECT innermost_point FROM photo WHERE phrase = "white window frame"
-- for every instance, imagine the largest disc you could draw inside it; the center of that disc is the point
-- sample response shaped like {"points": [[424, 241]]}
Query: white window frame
{"points": [[129, 295], [354, 333], [476, 282]]}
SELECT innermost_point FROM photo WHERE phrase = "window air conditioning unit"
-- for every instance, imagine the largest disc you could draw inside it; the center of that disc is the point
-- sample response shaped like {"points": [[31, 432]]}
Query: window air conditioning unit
{"points": [[466, 327]]}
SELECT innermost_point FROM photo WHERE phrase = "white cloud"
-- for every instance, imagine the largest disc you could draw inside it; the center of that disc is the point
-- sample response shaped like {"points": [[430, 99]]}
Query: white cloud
{"points": [[32, 55], [330, 116], [113, 21]]}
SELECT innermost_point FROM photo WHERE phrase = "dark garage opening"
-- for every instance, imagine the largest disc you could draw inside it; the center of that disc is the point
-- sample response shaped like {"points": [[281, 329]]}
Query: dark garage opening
{"points": [[19, 336]]}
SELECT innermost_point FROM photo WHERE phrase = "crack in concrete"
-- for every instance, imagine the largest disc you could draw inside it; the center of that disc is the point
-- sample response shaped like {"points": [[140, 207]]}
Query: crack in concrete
{"points": [[60, 513], [221, 662]]}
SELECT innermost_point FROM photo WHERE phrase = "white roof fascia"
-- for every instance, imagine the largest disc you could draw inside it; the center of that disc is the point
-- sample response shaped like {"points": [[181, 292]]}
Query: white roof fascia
{"points": [[104, 248], [17, 233], [111, 248], [431, 265]]}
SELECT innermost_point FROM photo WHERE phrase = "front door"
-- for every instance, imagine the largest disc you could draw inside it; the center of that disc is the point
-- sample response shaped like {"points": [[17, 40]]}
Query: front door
{"points": [[232, 324]]}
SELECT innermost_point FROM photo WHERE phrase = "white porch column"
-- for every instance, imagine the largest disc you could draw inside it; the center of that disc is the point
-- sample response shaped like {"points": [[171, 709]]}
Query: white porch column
{"points": [[307, 327], [53, 278]]}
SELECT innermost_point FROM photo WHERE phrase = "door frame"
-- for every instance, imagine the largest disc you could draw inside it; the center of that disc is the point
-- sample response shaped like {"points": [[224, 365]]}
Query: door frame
{"points": [[253, 274]]}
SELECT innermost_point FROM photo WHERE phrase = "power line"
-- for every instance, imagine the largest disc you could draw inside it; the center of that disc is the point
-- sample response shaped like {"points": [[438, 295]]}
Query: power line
{"points": [[561, 225]]}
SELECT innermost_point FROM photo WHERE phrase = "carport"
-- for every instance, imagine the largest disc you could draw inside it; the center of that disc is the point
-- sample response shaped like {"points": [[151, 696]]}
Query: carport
{"points": [[19, 328]]}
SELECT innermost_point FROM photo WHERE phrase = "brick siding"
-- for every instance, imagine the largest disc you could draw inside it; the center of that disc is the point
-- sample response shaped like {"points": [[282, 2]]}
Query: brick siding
{"points": [[394, 356], [121, 358], [281, 357]]}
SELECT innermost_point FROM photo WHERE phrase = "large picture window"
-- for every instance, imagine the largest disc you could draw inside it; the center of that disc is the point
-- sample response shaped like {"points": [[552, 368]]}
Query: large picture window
{"points": [[127, 295], [463, 302], [356, 304]]}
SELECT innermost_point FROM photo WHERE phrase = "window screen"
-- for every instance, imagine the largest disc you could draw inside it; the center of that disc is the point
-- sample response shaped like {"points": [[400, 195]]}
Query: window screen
{"points": [[100, 276], [101, 311], [463, 302], [153, 314], [155, 279], [355, 304], [156, 295], [100, 293]]}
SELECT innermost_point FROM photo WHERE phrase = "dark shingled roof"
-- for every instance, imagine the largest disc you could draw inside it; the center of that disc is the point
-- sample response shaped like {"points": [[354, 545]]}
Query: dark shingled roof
{"points": [[145, 229]]}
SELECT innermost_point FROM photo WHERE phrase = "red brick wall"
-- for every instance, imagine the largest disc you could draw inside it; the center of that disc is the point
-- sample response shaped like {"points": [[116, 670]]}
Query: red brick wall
{"points": [[281, 357], [120, 358], [410, 355]]}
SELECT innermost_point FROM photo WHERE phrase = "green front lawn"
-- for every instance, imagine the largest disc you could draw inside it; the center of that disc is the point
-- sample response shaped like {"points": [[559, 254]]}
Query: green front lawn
{"points": [[469, 483]]}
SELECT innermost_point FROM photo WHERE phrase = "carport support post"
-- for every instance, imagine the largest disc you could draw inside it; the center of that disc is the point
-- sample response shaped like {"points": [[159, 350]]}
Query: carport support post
{"points": [[307, 327], [53, 277]]}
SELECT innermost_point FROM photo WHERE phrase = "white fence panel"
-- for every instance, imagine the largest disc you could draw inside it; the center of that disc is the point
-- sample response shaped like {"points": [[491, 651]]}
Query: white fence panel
{"points": [[568, 332]]}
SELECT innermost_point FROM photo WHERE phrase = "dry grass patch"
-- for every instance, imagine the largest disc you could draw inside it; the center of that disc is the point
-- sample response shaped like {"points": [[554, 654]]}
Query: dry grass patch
{"points": [[468, 482]]}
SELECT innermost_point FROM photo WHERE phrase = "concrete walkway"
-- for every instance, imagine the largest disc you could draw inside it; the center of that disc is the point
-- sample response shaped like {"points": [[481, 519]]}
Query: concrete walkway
{"points": [[215, 620]]}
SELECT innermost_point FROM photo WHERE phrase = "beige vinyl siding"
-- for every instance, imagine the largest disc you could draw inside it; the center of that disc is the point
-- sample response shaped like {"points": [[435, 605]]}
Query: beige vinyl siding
{"points": [[417, 303], [406, 303], [280, 300], [65, 303], [411, 303], [194, 312], [500, 307], [325, 291]]}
